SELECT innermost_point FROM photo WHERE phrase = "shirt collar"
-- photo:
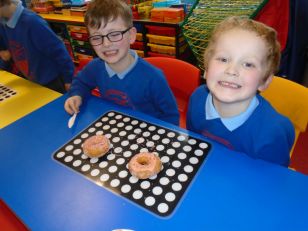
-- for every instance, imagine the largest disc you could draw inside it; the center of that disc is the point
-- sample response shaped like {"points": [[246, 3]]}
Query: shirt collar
{"points": [[231, 123], [14, 19], [121, 75]]}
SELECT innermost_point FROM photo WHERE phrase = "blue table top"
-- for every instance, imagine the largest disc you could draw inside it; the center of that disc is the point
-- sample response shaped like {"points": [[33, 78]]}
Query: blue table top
{"points": [[230, 191]]}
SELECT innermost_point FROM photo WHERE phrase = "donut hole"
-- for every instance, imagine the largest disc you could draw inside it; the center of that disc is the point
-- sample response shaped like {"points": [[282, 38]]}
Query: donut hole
{"points": [[144, 165], [143, 161]]}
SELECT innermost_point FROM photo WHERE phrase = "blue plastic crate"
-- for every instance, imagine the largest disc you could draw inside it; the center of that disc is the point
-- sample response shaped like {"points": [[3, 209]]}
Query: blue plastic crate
{"points": [[165, 3], [78, 2]]}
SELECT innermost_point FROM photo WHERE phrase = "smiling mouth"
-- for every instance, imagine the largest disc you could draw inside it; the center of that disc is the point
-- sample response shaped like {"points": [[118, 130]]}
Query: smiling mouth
{"points": [[229, 85], [110, 53]]}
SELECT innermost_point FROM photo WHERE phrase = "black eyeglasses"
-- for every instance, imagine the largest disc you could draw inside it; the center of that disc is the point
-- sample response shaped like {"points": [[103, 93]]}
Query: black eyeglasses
{"points": [[113, 36]]}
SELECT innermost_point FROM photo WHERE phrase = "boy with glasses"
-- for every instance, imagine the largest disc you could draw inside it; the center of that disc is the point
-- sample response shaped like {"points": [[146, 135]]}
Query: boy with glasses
{"points": [[120, 75]]}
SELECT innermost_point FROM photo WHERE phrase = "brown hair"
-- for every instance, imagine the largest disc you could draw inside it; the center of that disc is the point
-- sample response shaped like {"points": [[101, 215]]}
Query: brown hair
{"points": [[106, 11], [268, 35]]}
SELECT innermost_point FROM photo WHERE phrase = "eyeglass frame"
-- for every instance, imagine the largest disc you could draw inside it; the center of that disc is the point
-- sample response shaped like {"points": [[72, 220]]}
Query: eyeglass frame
{"points": [[107, 36]]}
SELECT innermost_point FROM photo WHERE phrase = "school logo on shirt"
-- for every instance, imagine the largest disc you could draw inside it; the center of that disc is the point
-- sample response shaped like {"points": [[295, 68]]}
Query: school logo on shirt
{"points": [[118, 97], [218, 139], [19, 56]]}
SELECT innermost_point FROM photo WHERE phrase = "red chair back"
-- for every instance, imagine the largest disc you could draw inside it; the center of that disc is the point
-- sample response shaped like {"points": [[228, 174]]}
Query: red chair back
{"points": [[183, 78]]}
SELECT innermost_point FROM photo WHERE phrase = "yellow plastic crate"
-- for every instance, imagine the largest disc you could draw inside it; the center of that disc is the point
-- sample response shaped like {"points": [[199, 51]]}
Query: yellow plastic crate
{"points": [[139, 37], [77, 29], [166, 49], [140, 53], [164, 40], [173, 20], [144, 11], [58, 4], [82, 56]]}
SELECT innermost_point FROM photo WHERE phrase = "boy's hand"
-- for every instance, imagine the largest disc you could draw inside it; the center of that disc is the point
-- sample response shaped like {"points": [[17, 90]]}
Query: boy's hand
{"points": [[72, 104], [5, 55]]}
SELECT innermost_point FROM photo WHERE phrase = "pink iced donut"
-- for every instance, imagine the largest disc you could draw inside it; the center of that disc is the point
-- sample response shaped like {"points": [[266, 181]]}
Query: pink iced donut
{"points": [[144, 165], [96, 146]]}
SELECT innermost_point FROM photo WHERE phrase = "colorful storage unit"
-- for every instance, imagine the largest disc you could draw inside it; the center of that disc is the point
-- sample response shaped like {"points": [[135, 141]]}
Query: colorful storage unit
{"points": [[79, 40], [62, 33], [152, 39], [165, 41]]}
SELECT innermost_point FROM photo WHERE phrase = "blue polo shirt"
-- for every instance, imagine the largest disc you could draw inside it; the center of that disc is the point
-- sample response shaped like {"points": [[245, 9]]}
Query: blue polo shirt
{"points": [[231, 123], [121, 75]]}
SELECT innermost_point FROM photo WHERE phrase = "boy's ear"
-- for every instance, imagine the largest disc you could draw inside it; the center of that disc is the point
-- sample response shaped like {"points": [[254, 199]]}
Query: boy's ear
{"points": [[263, 86], [132, 35], [204, 74]]}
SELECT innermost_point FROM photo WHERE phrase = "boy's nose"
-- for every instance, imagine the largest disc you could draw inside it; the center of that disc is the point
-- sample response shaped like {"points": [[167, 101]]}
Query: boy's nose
{"points": [[106, 42], [232, 69]]}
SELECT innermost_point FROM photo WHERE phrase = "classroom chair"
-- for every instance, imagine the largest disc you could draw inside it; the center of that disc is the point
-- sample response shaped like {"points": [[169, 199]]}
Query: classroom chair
{"points": [[82, 62], [9, 221], [183, 78], [291, 100]]}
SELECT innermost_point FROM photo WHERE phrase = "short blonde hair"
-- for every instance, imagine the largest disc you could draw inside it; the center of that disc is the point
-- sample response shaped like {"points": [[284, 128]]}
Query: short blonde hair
{"points": [[107, 10], [267, 33]]}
